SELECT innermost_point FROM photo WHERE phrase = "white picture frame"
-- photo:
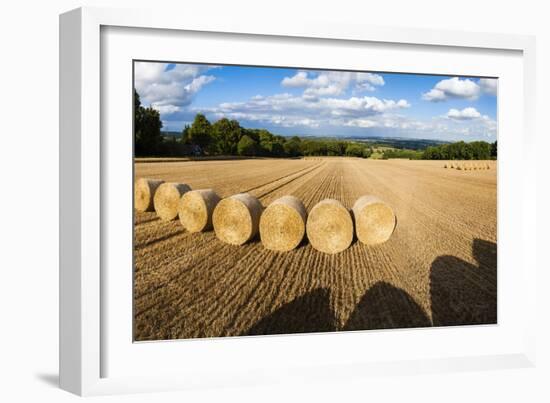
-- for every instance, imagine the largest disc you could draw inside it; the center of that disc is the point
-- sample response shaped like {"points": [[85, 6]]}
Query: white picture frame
{"points": [[88, 335]]}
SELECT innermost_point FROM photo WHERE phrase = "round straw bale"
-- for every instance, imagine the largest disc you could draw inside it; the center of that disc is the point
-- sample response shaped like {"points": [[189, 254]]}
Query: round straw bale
{"points": [[236, 218], [374, 220], [283, 224], [167, 198], [329, 226], [144, 190], [195, 209]]}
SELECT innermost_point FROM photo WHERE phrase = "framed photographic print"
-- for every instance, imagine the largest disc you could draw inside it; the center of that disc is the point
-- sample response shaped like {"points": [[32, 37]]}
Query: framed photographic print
{"points": [[242, 201]]}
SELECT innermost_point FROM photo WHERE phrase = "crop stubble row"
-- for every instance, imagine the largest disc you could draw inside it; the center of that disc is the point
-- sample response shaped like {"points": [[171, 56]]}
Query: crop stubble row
{"points": [[189, 285]]}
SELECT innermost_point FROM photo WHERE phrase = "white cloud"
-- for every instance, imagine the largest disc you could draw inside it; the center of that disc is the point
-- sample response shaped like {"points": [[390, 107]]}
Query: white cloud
{"points": [[453, 88], [365, 123], [489, 85], [300, 79], [464, 114], [434, 95], [323, 106], [382, 116], [169, 91], [439, 127], [288, 110], [332, 83]]}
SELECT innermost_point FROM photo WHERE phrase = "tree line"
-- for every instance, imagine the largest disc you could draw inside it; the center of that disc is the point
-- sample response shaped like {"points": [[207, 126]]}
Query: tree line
{"points": [[475, 150], [228, 137]]}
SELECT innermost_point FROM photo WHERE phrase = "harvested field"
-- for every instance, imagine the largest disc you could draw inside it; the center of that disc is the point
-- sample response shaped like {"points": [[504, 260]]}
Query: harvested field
{"points": [[438, 268]]}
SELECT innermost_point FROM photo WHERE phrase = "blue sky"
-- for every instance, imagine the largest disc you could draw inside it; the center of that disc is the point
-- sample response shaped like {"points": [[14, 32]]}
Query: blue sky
{"points": [[321, 102]]}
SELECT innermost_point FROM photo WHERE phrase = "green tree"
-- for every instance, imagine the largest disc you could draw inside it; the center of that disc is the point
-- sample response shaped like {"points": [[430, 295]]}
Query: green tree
{"points": [[460, 150], [481, 150], [200, 132], [367, 152], [227, 134], [265, 141], [254, 134], [277, 149], [147, 125], [247, 146], [185, 135], [354, 150], [293, 147], [336, 148]]}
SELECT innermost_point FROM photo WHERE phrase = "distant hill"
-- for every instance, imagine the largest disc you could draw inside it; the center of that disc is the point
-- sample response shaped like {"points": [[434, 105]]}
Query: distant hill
{"points": [[393, 142], [170, 134], [402, 143]]}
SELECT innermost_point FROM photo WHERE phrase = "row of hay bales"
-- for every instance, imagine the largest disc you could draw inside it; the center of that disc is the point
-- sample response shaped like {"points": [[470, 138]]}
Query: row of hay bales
{"points": [[330, 227], [467, 166]]}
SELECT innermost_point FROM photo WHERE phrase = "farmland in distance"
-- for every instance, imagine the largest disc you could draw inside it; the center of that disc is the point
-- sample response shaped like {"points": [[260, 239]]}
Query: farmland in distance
{"points": [[438, 268]]}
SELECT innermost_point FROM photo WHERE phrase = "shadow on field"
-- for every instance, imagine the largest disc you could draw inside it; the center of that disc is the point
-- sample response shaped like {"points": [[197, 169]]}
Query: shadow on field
{"points": [[384, 306], [308, 313], [462, 293]]}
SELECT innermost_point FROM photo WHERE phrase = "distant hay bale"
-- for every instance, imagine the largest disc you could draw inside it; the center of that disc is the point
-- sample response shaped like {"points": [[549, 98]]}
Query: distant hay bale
{"points": [[488, 166], [446, 166], [144, 191], [195, 209], [283, 224], [329, 227], [374, 220], [236, 218], [167, 198]]}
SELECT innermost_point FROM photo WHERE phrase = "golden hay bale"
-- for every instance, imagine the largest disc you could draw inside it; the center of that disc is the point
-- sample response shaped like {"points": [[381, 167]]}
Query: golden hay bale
{"points": [[167, 198], [374, 220], [329, 226], [446, 166], [195, 209], [144, 191], [283, 224], [488, 166], [459, 167], [236, 218]]}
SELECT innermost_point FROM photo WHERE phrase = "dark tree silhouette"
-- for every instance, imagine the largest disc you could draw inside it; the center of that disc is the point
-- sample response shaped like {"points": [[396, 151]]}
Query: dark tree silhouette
{"points": [[462, 293], [384, 306]]}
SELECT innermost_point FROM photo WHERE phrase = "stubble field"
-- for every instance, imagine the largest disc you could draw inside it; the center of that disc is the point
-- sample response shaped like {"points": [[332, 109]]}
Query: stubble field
{"points": [[438, 268]]}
